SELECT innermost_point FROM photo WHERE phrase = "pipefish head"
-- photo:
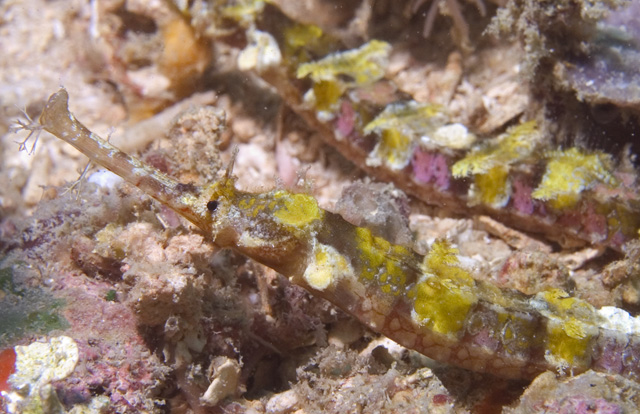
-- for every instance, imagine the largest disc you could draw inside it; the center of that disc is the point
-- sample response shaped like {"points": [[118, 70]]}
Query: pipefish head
{"points": [[212, 207], [217, 204]]}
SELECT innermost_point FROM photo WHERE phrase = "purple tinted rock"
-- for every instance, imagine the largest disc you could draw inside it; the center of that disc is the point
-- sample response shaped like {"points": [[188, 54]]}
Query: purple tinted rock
{"points": [[609, 69], [608, 355], [631, 359]]}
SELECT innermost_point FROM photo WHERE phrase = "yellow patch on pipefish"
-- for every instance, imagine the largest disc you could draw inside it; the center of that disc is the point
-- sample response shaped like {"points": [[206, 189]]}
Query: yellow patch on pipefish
{"points": [[572, 324], [328, 266], [298, 210], [382, 261], [446, 292]]}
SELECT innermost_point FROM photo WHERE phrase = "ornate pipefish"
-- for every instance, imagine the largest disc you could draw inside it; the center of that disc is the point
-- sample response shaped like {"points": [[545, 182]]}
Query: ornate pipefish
{"points": [[430, 304]]}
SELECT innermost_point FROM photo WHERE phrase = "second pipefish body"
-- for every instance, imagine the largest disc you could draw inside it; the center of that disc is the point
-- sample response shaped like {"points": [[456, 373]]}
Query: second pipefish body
{"points": [[430, 304]]}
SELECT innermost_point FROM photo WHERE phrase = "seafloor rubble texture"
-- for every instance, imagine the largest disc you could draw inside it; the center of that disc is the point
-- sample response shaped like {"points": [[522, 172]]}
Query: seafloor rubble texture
{"points": [[512, 125]]}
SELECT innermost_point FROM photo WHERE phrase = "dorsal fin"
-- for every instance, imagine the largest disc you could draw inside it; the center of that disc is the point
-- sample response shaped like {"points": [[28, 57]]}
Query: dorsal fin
{"points": [[234, 154]]}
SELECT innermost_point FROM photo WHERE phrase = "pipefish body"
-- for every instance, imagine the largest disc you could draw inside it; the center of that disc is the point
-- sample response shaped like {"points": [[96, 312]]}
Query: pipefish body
{"points": [[430, 304]]}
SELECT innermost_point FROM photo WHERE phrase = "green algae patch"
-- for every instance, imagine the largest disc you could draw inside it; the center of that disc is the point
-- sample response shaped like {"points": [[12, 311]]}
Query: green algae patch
{"points": [[394, 150], [244, 12], [411, 115], [363, 66], [303, 41], [7, 284], [493, 187], [27, 311], [507, 149], [337, 72], [490, 163], [400, 126], [569, 173], [301, 35], [327, 93]]}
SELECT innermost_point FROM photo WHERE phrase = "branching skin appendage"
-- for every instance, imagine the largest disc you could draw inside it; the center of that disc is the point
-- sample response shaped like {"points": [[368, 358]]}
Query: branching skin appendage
{"points": [[430, 304]]}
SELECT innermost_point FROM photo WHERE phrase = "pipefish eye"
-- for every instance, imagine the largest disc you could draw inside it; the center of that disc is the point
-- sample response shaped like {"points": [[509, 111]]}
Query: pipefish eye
{"points": [[212, 205]]}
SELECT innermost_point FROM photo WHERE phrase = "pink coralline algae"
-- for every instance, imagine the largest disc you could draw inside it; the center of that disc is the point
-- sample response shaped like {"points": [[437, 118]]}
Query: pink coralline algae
{"points": [[346, 121], [430, 167], [612, 353], [521, 197], [128, 375], [581, 405], [618, 356], [588, 393], [595, 224], [586, 219]]}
